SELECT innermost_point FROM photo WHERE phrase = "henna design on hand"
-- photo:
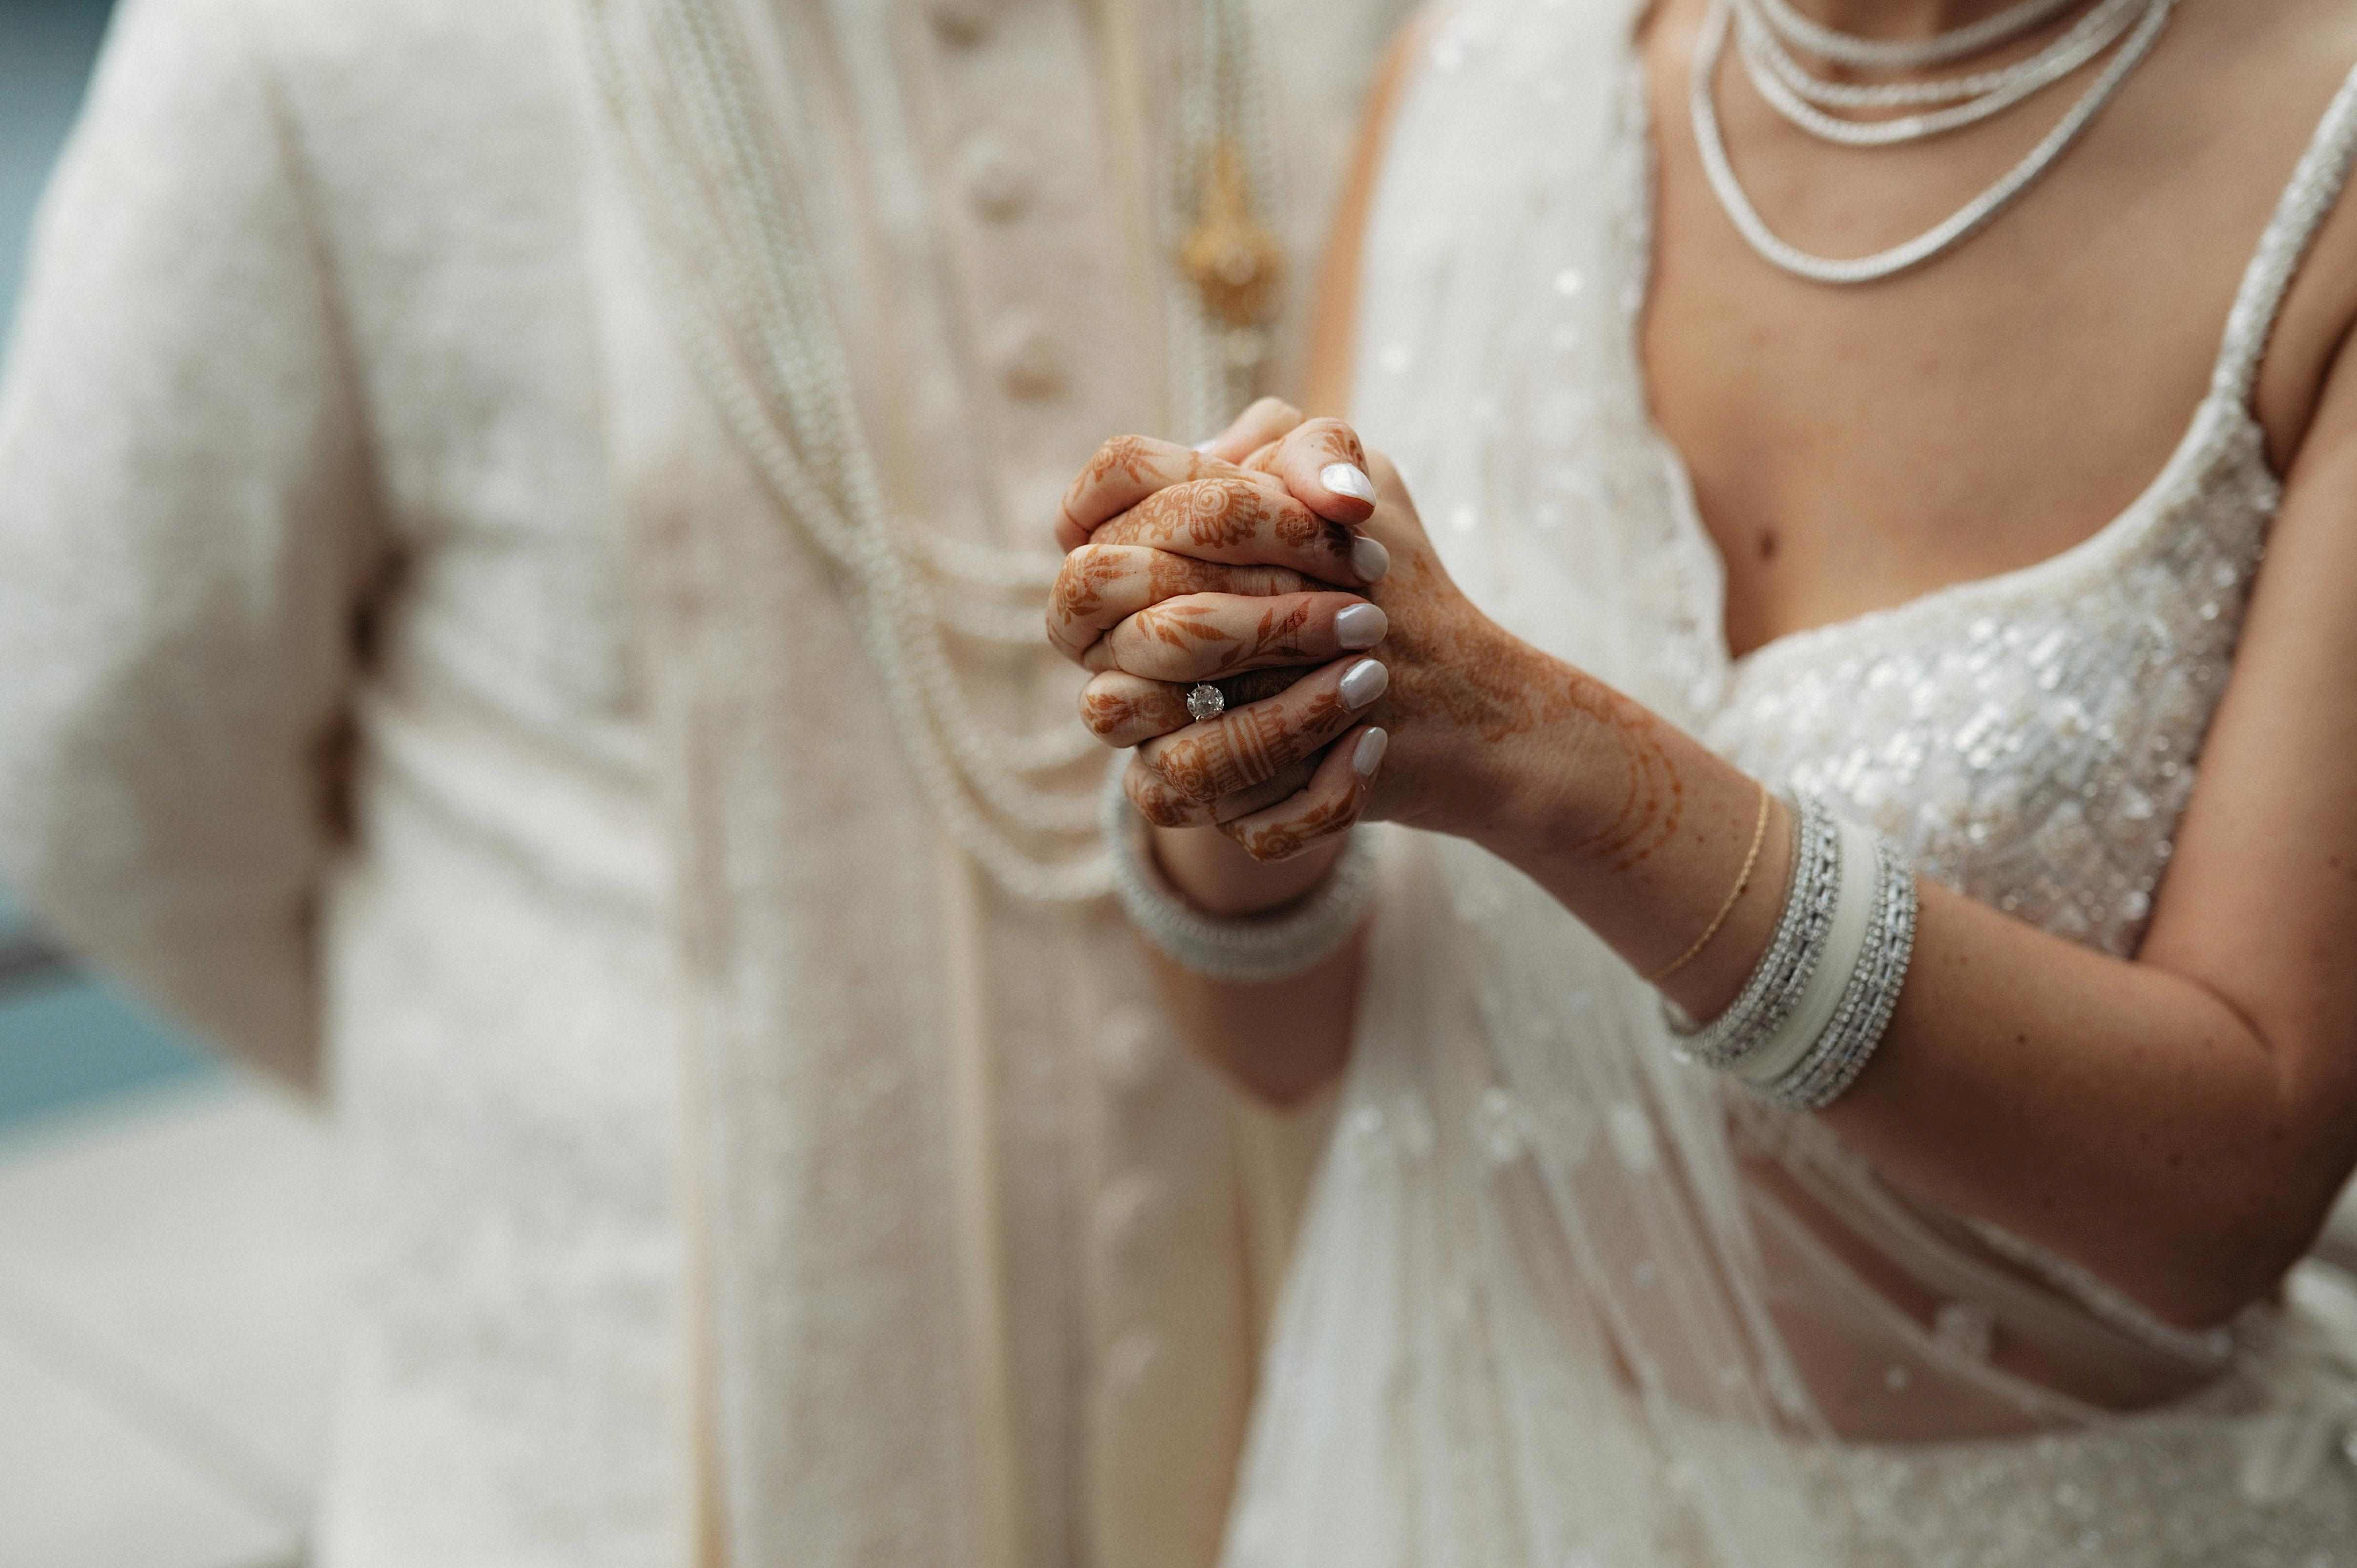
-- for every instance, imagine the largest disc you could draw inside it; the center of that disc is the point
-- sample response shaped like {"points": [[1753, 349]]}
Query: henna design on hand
{"points": [[1248, 745], [1229, 512], [1116, 712], [1135, 710], [1098, 585], [1132, 458], [1282, 841], [1450, 665], [1337, 443], [1225, 511], [1160, 804], [1082, 583], [1194, 627]]}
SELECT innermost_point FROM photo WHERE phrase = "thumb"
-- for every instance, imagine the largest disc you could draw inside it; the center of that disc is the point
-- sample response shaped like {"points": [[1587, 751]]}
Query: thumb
{"points": [[1270, 419]]}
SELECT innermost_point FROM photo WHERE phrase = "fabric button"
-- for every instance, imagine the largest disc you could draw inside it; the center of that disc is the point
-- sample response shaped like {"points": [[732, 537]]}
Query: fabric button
{"points": [[1130, 1361], [1126, 1212], [1030, 364], [959, 21], [996, 182], [1130, 1050]]}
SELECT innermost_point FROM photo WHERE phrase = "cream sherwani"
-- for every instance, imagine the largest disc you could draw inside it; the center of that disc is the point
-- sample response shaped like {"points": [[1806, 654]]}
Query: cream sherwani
{"points": [[345, 419]]}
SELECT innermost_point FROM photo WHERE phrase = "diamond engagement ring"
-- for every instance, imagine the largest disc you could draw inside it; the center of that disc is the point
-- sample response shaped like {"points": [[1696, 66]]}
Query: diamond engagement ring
{"points": [[1206, 701]]}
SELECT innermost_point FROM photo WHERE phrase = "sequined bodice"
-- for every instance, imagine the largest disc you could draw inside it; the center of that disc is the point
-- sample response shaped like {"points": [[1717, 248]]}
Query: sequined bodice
{"points": [[2032, 738]]}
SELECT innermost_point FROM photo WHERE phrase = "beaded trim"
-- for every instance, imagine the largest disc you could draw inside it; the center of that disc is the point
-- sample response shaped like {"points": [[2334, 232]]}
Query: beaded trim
{"points": [[1248, 950], [1783, 975], [1834, 1060]]}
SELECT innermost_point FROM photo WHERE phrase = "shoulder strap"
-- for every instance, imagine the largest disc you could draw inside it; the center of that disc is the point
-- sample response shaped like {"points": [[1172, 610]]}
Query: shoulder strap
{"points": [[2315, 187]]}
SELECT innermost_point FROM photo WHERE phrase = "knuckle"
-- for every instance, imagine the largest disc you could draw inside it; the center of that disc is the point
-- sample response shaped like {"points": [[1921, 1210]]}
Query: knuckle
{"points": [[1259, 742], [1273, 845], [1154, 803], [1173, 576], [1195, 766], [1071, 588], [1116, 452], [1259, 685], [1105, 714], [1336, 440]]}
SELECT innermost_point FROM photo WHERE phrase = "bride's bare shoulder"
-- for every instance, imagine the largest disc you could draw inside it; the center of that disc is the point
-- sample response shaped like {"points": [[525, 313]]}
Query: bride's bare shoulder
{"points": [[2282, 70]]}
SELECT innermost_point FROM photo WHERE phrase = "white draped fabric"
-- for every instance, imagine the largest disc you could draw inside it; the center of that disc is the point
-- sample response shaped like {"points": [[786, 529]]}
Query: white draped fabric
{"points": [[736, 1168], [1565, 1302]]}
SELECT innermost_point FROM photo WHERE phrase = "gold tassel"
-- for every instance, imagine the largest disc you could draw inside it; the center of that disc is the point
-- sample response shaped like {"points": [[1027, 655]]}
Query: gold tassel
{"points": [[1234, 262]]}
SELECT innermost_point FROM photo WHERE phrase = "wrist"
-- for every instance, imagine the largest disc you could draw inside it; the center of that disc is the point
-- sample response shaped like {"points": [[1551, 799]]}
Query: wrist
{"points": [[1212, 872], [1587, 781]]}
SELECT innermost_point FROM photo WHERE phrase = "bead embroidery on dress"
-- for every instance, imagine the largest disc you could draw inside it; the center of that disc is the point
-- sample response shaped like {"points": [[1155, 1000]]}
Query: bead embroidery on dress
{"points": [[1584, 1332]]}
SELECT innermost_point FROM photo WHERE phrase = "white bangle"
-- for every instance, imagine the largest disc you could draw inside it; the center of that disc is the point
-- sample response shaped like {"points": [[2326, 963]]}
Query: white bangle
{"points": [[1780, 1050], [1242, 949], [1840, 1053], [1815, 1008], [1783, 975]]}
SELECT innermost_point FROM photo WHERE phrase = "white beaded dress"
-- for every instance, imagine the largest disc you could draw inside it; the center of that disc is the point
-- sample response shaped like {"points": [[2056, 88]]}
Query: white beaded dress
{"points": [[1563, 1302]]}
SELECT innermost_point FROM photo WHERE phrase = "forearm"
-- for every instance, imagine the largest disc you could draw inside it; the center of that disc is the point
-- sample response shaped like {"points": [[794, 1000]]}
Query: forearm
{"points": [[1282, 1040], [2120, 1113]]}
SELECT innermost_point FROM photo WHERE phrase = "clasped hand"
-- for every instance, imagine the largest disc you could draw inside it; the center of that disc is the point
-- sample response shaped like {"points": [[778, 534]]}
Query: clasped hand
{"points": [[1285, 565]]}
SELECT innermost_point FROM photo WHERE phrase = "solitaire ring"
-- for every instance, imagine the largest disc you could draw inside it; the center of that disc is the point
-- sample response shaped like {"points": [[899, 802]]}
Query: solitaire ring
{"points": [[1206, 701]]}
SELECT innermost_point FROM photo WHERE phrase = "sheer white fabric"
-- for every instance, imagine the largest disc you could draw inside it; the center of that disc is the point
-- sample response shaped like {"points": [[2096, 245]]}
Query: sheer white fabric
{"points": [[1562, 1301]]}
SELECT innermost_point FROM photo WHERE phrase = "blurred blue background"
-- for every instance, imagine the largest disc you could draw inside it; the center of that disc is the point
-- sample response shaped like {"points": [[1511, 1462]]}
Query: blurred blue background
{"points": [[66, 1041]]}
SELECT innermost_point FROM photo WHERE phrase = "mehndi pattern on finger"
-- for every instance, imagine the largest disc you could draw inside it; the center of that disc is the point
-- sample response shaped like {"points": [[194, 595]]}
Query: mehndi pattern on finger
{"points": [[1282, 841]]}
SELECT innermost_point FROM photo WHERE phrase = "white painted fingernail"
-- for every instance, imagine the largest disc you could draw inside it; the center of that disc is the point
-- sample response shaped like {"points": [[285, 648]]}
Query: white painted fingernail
{"points": [[1360, 626], [1365, 682], [1348, 479], [1369, 559], [1370, 755]]}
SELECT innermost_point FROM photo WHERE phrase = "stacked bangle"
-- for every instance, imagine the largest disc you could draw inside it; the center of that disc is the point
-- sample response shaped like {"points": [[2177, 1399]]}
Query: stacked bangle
{"points": [[1815, 1009], [1242, 949], [1783, 973]]}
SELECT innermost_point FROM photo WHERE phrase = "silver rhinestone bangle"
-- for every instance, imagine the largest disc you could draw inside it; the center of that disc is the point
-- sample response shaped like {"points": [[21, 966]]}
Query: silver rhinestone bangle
{"points": [[1783, 975], [1245, 950], [1840, 1053]]}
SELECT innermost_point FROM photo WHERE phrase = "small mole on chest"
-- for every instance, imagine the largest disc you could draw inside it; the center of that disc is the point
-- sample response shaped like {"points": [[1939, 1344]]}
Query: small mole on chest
{"points": [[1768, 544]]}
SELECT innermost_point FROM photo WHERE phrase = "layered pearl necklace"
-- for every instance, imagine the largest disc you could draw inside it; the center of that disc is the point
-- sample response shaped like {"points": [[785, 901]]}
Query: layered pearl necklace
{"points": [[729, 180], [1774, 37]]}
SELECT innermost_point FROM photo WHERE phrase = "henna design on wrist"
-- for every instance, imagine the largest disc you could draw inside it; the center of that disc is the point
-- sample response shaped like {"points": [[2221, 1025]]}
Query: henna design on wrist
{"points": [[1464, 674], [1654, 801]]}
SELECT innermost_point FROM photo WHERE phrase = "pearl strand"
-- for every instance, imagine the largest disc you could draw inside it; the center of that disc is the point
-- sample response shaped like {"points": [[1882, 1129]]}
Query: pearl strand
{"points": [[708, 167], [2106, 21], [1911, 54], [1791, 91], [1960, 226]]}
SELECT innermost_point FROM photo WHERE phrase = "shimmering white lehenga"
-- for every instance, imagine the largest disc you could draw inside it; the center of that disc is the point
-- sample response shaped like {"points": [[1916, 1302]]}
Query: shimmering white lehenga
{"points": [[1562, 1302]]}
